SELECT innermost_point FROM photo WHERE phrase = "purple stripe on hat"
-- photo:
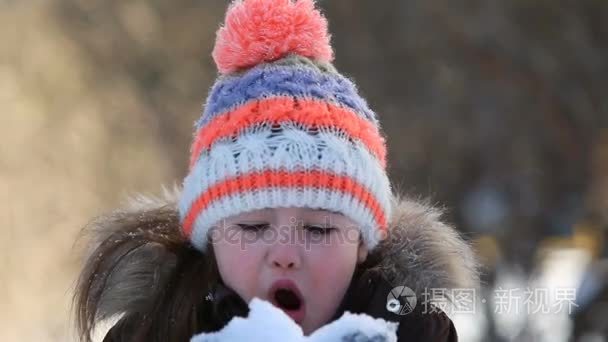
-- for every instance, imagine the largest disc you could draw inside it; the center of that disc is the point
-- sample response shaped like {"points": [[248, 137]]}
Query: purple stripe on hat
{"points": [[267, 81]]}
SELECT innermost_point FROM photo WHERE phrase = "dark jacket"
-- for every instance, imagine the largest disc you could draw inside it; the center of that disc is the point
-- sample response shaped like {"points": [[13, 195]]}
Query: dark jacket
{"points": [[368, 294], [420, 252]]}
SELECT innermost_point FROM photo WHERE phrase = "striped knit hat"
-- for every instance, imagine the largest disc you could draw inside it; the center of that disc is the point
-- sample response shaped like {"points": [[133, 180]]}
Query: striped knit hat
{"points": [[282, 128]]}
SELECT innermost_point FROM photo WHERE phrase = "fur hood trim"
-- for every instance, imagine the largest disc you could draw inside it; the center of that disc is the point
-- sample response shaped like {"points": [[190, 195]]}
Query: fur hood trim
{"points": [[420, 251]]}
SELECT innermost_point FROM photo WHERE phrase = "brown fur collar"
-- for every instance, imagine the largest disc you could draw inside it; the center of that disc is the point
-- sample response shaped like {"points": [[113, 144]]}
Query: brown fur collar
{"points": [[420, 252]]}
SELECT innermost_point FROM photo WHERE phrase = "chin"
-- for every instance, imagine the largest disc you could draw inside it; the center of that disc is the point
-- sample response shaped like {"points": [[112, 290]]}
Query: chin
{"points": [[307, 329]]}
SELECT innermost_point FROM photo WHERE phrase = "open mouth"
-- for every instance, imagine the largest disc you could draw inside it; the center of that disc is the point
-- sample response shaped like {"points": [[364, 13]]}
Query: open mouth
{"points": [[285, 295], [287, 299]]}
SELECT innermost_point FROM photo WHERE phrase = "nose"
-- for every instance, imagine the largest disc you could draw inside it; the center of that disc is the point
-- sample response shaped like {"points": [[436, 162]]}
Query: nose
{"points": [[285, 256], [285, 264], [284, 252]]}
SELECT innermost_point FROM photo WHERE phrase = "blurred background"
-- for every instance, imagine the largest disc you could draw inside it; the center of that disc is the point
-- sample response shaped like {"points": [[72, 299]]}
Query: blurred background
{"points": [[497, 110]]}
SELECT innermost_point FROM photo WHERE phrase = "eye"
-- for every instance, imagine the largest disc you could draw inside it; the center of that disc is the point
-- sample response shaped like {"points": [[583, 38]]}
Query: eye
{"points": [[319, 229], [253, 227]]}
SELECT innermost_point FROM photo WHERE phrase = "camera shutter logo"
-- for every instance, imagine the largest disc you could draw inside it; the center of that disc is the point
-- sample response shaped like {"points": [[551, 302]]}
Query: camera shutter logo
{"points": [[401, 300]]}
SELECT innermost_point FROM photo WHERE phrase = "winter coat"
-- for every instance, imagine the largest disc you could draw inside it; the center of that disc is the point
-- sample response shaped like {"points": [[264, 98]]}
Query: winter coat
{"points": [[421, 252]]}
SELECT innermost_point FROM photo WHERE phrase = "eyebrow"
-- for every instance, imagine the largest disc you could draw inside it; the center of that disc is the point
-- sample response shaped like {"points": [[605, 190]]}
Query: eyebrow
{"points": [[330, 211]]}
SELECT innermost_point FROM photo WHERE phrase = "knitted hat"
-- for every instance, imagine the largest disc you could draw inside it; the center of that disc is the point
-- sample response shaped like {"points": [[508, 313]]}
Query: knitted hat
{"points": [[282, 127]]}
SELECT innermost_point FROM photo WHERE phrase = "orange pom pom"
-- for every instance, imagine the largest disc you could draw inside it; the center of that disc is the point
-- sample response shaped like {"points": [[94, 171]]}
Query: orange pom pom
{"points": [[257, 31]]}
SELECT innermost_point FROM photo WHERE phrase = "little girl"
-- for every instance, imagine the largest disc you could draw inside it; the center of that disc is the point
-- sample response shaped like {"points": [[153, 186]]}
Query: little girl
{"points": [[287, 200]]}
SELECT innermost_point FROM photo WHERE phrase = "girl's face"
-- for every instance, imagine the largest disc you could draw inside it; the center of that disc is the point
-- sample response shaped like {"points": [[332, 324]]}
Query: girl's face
{"points": [[300, 259]]}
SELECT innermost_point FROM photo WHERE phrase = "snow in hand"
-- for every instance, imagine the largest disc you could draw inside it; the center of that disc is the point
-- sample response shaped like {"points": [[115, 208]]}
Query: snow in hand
{"points": [[267, 323]]}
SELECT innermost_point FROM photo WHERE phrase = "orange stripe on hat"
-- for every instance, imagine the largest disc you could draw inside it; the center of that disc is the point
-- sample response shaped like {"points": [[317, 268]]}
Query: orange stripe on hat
{"points": [[295, 179], [282, 109]]}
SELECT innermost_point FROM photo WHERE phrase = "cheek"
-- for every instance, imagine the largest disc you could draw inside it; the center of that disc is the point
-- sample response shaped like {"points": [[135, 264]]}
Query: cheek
{"points": [[330, 270], [238, 268], [334, 261]]}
